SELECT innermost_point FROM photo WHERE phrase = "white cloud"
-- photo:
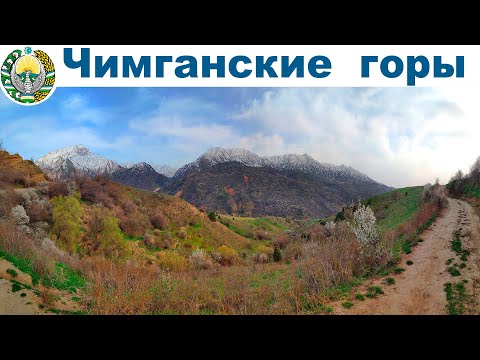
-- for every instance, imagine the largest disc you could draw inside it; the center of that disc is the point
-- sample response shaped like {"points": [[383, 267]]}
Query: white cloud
{"points": [[79, 109], [401, 137], [35, 136]]}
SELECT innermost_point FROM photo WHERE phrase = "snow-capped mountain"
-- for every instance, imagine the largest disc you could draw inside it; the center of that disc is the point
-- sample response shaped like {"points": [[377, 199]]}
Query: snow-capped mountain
{"points": [[141, 175], [167, 170], [290, 162], [307, 164], [218, 155], [232, 180], [142, 167], [82, 159]]}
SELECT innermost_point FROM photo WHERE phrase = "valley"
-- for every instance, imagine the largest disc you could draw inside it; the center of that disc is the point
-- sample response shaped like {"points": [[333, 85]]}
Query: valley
{"points": [[232, 181], [89, 245]]}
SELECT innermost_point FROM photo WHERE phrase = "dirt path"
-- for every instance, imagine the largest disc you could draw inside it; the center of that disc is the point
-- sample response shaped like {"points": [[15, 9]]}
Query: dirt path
{"points": [[13, 303], [19, 302], [420, 288], [18, 296]]}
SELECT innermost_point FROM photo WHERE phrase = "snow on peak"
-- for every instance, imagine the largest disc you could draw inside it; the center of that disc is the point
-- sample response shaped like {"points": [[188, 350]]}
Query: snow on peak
{"points": [[82, 159], [220, 155], [142, 167], [166, 170], [288, 162]]}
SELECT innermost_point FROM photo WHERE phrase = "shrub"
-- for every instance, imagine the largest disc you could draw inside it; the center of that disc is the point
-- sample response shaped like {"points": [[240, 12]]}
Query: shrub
{"points": [[340, 216], [67, 222], [228, 255], [328, 263], [28, 196], [365, 228], [265, 250], [409, 262], [182, 233], [317, 233], [171, 261], [39, 211], [261, 234], [104, 233], [389, 281], [8, 199], [57, 188], [281, 241], [12, 273], [212, 215], [159, 221], [199, 260], [260, 258], [135, 224], [453, 271], [293, 251], [329, 228], [148, 240], [347, 304], [277, 254], [375, 290], [360, 297], [20, 216]]}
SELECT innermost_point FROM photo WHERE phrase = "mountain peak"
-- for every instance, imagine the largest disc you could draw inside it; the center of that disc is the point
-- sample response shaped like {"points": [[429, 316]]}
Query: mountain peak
{"points": [[287, 162], [82, 158], [143, 166], [219, 155]]}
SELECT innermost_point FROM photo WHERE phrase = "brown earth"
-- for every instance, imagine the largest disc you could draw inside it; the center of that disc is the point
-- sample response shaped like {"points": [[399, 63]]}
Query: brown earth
{"points": [[16, 164], [27, 300], [419, 290]]}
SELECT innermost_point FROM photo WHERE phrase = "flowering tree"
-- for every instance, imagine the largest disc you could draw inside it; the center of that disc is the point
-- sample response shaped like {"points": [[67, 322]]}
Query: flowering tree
{"points": [[20, 215], [330, 228], [365, 228]]}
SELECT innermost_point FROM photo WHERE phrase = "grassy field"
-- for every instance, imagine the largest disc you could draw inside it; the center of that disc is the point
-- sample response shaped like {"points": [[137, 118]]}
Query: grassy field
{"points": [[250, 227], [63, 277], [395, 207]]}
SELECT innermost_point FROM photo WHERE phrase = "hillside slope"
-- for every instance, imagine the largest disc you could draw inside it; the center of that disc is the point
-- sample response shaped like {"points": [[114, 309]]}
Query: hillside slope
{"points": [[234, 188], [13, 168]]}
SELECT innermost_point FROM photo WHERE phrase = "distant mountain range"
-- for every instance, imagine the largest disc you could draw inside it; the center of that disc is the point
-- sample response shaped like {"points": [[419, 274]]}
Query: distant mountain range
{"points": [[232, 180]]}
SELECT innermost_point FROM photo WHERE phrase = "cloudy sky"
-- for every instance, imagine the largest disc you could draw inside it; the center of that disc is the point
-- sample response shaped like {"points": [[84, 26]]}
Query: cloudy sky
{"points": [[397, 136]]}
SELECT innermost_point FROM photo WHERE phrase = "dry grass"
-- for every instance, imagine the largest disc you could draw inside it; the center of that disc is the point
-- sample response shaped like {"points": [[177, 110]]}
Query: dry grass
{"points": [[330, 261]]}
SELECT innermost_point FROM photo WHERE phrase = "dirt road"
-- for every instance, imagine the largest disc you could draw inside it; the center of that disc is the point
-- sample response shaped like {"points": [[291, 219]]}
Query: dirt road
{"points": [[420, 288], [20, 302]]}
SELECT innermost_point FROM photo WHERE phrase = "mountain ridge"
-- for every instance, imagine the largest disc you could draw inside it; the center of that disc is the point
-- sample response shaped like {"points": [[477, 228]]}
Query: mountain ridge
{"points": [[292, 162], [235, 181]]}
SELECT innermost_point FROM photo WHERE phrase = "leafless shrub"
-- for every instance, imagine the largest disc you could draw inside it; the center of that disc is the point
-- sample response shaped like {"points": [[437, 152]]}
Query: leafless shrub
{"points": [[199, 260], [329, 262]]}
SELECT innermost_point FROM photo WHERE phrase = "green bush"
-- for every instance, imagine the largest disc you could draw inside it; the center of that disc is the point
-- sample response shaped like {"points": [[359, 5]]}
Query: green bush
{"points": [[277, 254], [212, 215], [67, 222]]}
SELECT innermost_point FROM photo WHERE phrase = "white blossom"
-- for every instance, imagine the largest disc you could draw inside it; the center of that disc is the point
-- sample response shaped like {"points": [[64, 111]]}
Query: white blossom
{"points": [[20, 216], [200, 260], [330, 228], [365, 228]]}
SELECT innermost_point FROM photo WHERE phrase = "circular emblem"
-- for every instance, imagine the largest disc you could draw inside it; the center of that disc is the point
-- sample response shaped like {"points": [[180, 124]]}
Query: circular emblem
{"points": [[28, 76]]}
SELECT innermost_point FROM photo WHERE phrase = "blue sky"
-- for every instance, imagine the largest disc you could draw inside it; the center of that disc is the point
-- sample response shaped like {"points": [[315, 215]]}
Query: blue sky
{"points": [[398, 136]]}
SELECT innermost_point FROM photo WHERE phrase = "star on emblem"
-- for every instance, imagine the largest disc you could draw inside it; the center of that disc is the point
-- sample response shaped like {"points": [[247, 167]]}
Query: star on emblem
{"points": [[28, 50]]}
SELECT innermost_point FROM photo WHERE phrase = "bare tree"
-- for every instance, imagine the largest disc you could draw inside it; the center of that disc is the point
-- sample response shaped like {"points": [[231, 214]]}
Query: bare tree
{"points": [[475, 168], [458, 176], [2, 148]]}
